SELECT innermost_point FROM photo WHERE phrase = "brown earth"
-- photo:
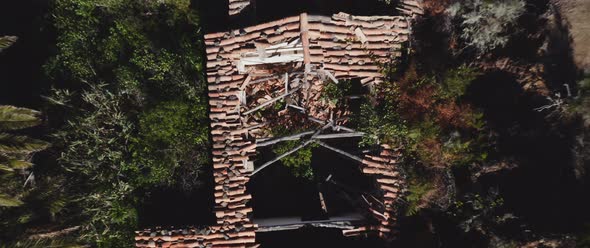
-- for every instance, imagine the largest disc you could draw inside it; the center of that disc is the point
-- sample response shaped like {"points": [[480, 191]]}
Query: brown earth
{"points": [[577, 14]]}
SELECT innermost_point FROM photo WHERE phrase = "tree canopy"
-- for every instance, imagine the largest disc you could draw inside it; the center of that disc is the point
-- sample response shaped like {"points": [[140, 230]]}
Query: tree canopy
{"points": [[127, 112]]}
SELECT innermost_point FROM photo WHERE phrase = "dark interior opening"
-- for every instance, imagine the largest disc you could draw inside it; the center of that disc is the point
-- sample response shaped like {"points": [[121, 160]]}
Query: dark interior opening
{"points": [[172, 206], [277, 192], [314, 238]]}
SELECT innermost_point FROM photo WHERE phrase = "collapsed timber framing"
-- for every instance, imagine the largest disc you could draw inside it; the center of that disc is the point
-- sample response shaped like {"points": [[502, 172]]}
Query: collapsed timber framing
{"points": [[294, 57]]}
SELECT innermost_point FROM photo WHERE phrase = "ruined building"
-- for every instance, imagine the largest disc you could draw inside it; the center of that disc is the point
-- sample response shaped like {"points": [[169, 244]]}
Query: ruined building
{"points": [[251, 68]]}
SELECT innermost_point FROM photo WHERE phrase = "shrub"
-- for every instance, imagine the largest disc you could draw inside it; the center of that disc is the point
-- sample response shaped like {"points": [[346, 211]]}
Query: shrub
{"points": [[456, 81], [475, 211], [334, 93], [298, 162], [417, 192], [581, 104], [172, 137], [380, 126], [428, 117], [94, 159]]}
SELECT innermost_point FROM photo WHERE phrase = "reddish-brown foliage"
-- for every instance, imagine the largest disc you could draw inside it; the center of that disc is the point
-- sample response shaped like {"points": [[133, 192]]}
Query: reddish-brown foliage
{"points": [[414, 101], [435, 7], [431, 152], [415, 105], [409, 77], [456, 115]]}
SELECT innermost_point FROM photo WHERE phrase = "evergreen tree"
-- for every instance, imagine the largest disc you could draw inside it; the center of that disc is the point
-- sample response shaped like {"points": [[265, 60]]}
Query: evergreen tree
{"points": [[15, 150]]}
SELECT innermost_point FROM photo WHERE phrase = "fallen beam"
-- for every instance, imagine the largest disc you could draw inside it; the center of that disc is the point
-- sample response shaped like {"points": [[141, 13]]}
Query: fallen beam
{"points": [[281, 139], [346, 221], [282, 156], [346, 154], [271, 101], [334, 225], [340, 135]]}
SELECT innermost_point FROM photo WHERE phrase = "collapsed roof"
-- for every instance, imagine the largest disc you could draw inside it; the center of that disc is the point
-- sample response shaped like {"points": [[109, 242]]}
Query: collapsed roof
{"points": [[299, 52]]}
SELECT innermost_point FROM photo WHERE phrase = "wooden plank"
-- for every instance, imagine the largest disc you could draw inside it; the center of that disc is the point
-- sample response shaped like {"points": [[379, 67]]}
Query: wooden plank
{"points": [[271, 101], [285, 138], [305, 38], [340, 135], [346, 154], [282, 156]]}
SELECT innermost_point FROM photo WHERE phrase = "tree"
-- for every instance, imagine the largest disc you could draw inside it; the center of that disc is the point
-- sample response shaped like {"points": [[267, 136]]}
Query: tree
{"points": [[485, 25], [7, 41], [19, 194], [171, 140], [128, 109], [15, 150]]}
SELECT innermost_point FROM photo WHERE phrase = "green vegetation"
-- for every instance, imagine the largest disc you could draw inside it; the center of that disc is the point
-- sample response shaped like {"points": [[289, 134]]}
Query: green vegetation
{"points": [[428, 117], [584, 236], [475, 209], [486, 25], [22, 197], [15, 153], [95, 150], [581, 103], [7, 41], [464, 169], [298, 162], [416, 195], [128, 113], [173, 136], [334, 93], [128, 79], [43, 243]]}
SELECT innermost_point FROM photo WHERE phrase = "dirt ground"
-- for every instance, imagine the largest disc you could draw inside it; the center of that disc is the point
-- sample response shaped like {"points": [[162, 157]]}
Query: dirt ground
{"points": [[577, 13]]}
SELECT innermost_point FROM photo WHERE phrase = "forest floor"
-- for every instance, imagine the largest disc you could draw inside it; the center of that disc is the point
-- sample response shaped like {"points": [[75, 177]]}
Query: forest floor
{"points": [[576, 13]]}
